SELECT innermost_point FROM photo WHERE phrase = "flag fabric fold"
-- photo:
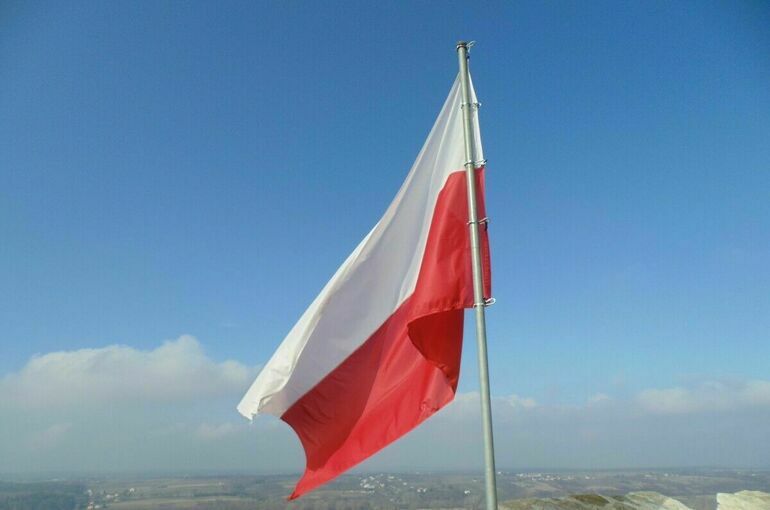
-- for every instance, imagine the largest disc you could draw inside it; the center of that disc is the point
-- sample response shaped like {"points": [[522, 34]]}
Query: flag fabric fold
{"points": [[378, 351]]}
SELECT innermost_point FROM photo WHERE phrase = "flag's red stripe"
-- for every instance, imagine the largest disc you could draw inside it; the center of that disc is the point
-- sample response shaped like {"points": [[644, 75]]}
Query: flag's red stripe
{"points": [[408, 369]]}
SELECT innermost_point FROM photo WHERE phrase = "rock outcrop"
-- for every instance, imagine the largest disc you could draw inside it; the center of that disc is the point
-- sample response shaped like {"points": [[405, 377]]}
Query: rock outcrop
{"points": [[631, 501], [744, 500]]}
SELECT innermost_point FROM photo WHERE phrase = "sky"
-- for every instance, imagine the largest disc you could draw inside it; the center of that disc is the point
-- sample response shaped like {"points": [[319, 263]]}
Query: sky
{"points": [[179, 180]]}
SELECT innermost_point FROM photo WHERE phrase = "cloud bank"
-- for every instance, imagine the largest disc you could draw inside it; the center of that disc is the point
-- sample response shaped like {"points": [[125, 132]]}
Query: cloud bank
{"points": [[178, 370], [711, 396], [172, 408]]}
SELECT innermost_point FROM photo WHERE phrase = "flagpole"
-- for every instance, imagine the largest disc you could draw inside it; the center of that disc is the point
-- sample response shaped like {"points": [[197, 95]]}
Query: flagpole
{"points": [[479, 303]]}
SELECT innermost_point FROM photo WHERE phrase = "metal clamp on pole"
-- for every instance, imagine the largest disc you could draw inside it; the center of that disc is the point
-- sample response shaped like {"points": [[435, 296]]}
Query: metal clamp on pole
{"points": [[487, 302], [476, 164]]}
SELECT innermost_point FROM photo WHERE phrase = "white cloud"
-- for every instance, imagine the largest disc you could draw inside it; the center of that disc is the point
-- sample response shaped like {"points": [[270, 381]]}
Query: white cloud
{"points": [[177, 370], [712, 396], [209, 431], [599, 399], [516, 401], [757, 393], [49, 436], [468, 406]]}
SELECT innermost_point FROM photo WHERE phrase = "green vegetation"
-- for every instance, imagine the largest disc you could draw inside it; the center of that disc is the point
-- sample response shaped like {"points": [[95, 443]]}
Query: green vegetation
{"points": [[43, 496], [591, 499]]}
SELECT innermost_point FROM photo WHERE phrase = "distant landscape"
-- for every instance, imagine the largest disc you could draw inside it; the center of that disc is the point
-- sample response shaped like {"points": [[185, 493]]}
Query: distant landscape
{"points": [[695, 488]]}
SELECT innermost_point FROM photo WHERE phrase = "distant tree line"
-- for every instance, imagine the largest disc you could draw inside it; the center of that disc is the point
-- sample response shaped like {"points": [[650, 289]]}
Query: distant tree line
{"points": [[43, 496]]}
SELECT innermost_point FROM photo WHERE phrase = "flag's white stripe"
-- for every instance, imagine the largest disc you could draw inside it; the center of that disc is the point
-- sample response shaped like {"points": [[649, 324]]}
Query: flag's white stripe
{"points": [[372, 283]]}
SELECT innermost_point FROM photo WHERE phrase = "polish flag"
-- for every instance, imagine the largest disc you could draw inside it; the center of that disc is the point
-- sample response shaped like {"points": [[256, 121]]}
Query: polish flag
{"points": [[378, 351]]}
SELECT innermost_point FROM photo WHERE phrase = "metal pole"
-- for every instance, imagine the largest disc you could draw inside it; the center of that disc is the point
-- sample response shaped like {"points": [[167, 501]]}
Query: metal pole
{"points": [[478, 287]]}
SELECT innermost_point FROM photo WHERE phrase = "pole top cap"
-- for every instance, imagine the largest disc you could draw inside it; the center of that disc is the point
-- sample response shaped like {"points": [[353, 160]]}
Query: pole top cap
{"points": [[465, 44]]}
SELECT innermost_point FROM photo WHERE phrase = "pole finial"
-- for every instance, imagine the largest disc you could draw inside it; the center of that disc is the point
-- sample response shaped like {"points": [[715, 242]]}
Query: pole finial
{"points": [[465, 44]]}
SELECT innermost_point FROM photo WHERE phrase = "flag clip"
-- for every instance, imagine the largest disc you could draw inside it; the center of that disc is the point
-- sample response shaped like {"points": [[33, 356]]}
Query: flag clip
{"points": [[482, 221], [477, 164], [487, 302], [475, 106]]}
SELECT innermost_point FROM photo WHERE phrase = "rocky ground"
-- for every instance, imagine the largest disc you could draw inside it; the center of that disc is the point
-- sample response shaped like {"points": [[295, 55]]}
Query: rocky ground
{"points": [[744, 500]]}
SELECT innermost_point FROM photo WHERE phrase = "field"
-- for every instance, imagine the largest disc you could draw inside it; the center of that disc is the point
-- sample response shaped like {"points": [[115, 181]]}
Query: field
{"points": [[695, 488]]}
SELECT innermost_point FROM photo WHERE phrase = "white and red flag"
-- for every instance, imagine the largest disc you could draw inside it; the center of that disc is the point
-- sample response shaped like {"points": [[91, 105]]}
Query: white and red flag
{"points": [[378, 351]]}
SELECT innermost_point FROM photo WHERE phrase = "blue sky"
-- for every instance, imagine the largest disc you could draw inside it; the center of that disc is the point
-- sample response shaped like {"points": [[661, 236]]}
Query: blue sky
{"points": [[191, 168]]}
